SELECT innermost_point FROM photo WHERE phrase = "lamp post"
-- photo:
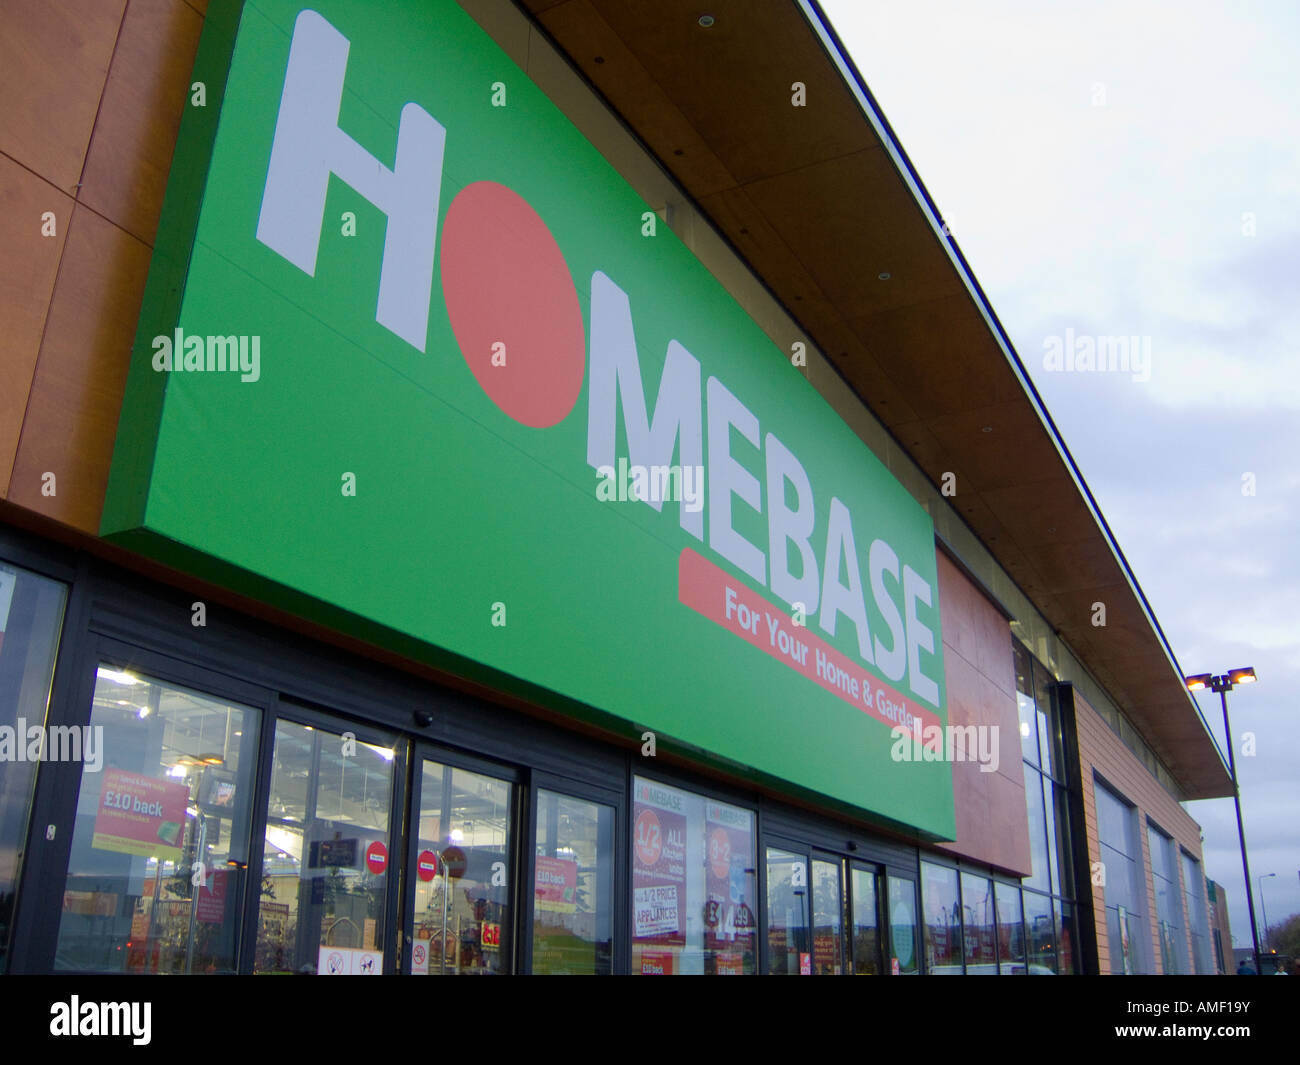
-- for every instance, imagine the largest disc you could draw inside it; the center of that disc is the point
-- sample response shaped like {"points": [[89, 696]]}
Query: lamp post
{"points": [[1262, 907], [1223, 684]]}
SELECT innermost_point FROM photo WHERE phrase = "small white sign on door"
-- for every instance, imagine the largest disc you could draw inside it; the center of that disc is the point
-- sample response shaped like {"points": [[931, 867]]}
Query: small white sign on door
{"points": [[344, 961]]}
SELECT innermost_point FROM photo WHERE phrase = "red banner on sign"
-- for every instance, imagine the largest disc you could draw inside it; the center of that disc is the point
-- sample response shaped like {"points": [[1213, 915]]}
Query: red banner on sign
{"points": [[710, 591]]}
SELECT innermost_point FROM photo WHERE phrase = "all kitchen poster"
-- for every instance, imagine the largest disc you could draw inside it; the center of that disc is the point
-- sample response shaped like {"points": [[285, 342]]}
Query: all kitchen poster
{"points": [[659, 865], [729, 918]]}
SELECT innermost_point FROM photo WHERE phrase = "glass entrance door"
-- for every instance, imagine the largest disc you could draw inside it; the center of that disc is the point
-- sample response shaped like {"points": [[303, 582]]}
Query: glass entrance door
{"points": [[324, 901], [823, 914], [157, 872], [904, 958], [829, 916], [866, 939], [573, 884], [788, 952], [459, 913]]}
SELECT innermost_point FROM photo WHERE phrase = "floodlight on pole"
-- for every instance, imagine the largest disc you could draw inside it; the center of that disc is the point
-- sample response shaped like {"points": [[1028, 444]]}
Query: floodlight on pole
{"points": [[1223, 684]]}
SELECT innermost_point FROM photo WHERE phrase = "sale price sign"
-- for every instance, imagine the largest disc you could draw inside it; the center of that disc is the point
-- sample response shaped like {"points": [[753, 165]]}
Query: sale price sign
{"points": [[729, 844], [655, 910], [659, 864]]}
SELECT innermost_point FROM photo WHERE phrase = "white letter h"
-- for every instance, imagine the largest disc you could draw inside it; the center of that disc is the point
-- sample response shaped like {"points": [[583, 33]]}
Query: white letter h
{"points": [[309, 146]]}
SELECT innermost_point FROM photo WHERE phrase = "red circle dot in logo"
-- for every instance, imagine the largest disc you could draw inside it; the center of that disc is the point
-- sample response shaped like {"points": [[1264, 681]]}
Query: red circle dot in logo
{"points": [[512, 304]]}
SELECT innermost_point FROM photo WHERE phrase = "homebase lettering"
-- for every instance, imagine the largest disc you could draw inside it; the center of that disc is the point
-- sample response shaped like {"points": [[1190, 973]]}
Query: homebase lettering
{"points": [[692, 407], [215, 354], [21, 742], [951, 743]]}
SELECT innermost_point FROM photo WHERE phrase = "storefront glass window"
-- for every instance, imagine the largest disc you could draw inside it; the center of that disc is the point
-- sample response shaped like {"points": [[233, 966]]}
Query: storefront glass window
{"points": [[156, 876], [1046, 808], [903, 960], [866, 933], [325, 871], [942, 923], [463, 873], [1066, 937], [693, 883], [31, 616], [1048, 761], [1169, 903], [1194, 896], [1054, 857], [1125, 891], [573, 894], [1042, 934], [787, 914], [1025, 703], [1011, 931], [1063, 866], [1040, 877], [979, 925]]}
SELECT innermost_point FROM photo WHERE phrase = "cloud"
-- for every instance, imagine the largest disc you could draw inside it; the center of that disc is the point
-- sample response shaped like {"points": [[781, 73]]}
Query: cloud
{"points": [[1170, 210]]}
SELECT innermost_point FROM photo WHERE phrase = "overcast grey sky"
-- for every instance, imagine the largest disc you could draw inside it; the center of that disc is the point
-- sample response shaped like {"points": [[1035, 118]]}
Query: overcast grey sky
{"points": [[1133, 169]]}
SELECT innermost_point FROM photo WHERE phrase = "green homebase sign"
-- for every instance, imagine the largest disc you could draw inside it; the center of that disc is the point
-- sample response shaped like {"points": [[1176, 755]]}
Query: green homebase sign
{"points": [[417, 363]]}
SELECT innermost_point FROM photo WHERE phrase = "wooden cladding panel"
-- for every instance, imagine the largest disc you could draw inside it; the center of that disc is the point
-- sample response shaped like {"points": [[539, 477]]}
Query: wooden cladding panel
{"points": [[148, 90], [29, 263], [76, 396], [117, 77], [54, 61]]}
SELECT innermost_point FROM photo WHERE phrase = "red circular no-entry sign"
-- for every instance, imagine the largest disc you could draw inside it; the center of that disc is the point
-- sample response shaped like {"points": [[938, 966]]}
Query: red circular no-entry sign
{"points": [[426, 865], [376, 857]]}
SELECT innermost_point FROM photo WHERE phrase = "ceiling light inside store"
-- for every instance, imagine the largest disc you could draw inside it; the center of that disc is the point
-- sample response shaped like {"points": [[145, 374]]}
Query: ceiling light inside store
{"points": [[116, 676]]}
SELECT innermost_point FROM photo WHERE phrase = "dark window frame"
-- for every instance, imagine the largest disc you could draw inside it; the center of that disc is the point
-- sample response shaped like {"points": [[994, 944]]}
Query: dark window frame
{"points": [[59, 783], [621, 870], [1144, 957]]}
